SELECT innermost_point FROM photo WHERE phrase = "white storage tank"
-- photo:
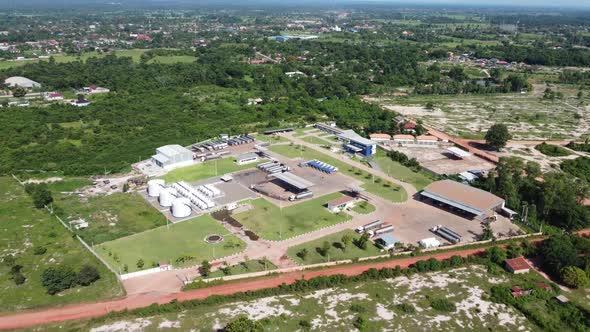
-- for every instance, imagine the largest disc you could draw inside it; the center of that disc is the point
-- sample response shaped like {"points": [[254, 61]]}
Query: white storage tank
{"points": [[155, 186], [167, 196], [181, 207]]}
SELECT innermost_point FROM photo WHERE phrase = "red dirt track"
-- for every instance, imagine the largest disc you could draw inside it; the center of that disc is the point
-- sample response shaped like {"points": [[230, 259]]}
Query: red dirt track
{"points": [[83, 311]]}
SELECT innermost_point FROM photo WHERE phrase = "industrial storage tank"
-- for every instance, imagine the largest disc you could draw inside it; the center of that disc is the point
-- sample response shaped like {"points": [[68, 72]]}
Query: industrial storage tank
{"points": [[181, 207], [155, 186], [167, 196]]}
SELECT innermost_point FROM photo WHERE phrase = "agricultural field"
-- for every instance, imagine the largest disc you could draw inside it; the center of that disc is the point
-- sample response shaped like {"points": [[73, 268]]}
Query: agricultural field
{"points": [[109, 217], [337, 250], [373, 185], [181, 244], [528, 116], [25, 231], [401, 303], [270, 222], [205, 170]]}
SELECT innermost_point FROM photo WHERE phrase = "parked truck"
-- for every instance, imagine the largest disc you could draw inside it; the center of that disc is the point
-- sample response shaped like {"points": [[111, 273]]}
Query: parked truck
{"points": [[446, 234], [302, 195], [369, 226], [384, 229]]}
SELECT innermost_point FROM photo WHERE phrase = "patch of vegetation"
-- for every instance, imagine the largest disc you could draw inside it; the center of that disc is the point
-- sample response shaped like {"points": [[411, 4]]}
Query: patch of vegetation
{"points": [[32, 241], [205, 170], [552, 150], [579, 167], [337, 246], [249, 266], [364, 208]]}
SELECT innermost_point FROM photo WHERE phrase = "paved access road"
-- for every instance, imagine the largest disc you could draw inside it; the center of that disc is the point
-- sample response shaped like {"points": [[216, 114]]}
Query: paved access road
{"points": [[83, 311]]}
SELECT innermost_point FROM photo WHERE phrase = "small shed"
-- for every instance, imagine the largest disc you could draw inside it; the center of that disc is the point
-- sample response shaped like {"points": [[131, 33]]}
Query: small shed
{"points": [[517, 265], [386, 241]]}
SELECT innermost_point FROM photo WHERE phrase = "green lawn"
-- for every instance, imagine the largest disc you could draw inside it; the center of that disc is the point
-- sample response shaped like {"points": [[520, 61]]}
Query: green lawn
{"points": [[184, 239], [250, 266], [23, 228], [269, 222], [401, 172], [336, 251], [317, 140], [373, 185], [205, 170], [363, 208], [110, 217]]}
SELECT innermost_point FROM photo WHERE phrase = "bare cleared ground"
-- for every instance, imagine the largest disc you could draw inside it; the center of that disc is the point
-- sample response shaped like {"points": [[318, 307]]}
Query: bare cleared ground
{"points": [[528, 116], [437, 160]]}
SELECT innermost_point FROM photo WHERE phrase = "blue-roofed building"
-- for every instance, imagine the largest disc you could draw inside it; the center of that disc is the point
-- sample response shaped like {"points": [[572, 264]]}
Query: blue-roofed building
{"points": [[357, 144], [387, 241]]}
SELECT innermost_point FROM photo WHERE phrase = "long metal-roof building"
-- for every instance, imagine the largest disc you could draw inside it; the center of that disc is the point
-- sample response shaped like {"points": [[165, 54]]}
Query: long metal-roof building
{"points": [[293, 180], [465, 198]]}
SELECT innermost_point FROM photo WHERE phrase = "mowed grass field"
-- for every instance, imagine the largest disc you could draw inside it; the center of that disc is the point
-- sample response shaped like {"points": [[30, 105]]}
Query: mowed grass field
{"points": [[336, 251], [110, 217], [205, 170], [24, 228], [167, 244], [272, 223], [375, 185]]}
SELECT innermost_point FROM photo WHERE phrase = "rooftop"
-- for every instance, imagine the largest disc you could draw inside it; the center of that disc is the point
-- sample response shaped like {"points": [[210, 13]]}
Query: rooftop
{"points": [[427, 138], [351, 135], [294, 180], [467, 198], [340, 200], [458, 152], [380, 136], [517, 264], [248, 155], [403, 136], [388, 239], [172, 149]]}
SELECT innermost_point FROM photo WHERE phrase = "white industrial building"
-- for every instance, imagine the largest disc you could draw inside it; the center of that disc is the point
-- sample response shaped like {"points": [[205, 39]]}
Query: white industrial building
{"points": [[247, 158], [23, 82], [171, 156]]}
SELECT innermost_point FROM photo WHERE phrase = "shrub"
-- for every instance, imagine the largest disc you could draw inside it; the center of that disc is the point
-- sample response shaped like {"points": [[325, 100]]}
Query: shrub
{"points": [[406, 308], [243, 324], [358, 308], [87, 275], [552, 150], [574, 277], [57, 279], [443, 305], [18, 278], [39, 250], [360, 323]]}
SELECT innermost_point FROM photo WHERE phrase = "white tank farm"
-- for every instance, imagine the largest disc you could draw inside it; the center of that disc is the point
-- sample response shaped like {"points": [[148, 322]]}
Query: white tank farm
{"points": [[181, 207], [167, 196], [155, 186]]}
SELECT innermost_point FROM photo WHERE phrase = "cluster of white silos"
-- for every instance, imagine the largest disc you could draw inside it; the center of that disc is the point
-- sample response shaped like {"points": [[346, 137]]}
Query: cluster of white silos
{"points": [[167, 196], [209, 190]]}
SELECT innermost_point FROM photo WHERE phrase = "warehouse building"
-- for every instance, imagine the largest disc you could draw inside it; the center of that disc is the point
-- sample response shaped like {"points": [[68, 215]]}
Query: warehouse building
{"points": [[354, 142], [171, 156], [246, 158], [470, 201]]}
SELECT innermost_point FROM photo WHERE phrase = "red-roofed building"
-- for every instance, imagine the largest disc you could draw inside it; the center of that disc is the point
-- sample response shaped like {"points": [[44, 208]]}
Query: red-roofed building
{"points": [[409, 127], [380, 137], [544, 286], [54, 96], [517, 265], [144, 37], [427, 140], [404, 139], [340, 203]]}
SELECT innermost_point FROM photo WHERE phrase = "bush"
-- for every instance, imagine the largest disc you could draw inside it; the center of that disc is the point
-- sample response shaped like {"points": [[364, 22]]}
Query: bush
{"points": [[574, 277], [406, 308], [18, 278], [39, 250], [443, 305], [243, 324], [552, 150], [57, 279], [40, 194], [87, 275]]}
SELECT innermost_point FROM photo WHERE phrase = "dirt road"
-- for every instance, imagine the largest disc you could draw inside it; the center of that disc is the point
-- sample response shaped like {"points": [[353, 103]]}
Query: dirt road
{"points": [[83, 311]]}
